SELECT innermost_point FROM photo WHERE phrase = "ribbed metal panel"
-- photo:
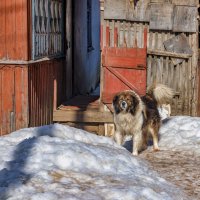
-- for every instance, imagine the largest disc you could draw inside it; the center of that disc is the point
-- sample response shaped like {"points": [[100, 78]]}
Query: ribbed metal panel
{"points": [[46, 90]]}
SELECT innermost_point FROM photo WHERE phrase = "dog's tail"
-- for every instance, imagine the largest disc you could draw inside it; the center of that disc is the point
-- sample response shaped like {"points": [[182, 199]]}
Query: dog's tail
{"points": [[161, 93]]}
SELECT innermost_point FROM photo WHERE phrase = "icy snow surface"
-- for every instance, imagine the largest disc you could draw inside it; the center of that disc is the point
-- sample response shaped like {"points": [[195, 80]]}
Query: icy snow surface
{"points": [[181, 133], [60, 162]]}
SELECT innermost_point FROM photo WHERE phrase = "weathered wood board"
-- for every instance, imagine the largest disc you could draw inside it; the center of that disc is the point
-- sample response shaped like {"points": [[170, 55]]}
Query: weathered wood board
{"points": [[116, 10], [126, 10], [186, 2], [178, 44], [138, 12], [160, 1], [185, 19], [161, 16]]}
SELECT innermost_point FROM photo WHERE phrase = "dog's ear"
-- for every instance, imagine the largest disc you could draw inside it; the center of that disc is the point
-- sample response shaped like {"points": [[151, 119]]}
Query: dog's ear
{"points": [[116, 104], [115, 99], [135, 103]]}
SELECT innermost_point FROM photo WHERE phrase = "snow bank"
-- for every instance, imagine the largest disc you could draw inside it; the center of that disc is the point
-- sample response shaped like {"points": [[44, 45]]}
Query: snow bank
{"points": [[60, 162], [181, 133]]}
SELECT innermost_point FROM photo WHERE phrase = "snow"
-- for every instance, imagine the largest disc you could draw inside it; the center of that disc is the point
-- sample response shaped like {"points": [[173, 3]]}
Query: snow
{"points": [[60, 162], [181, 133]]}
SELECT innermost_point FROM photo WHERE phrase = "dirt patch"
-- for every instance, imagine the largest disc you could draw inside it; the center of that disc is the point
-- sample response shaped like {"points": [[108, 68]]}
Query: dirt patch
{"points": [[181, 168]]}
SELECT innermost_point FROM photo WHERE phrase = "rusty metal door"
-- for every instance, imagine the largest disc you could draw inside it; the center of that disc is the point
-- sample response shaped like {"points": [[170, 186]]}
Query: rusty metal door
{"points": [[124, 54]]}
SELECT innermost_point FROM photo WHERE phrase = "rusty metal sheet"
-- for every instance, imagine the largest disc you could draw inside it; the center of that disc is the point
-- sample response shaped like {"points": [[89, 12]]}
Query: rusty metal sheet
{"points": [[46, 88]]}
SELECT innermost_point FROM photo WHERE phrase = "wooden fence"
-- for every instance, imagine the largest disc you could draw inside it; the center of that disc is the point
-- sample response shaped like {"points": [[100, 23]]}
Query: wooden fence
{"points": [[161, 64]]}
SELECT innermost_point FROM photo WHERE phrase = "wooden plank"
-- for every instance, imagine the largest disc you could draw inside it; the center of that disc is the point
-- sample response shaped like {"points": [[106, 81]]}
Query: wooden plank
{"points": [[116, 10], [3, 29], [1, 97], [18, 96], [23, 62], [127, 10], [178, 44], [82, 116], [124, 62], [10, 32], [186, 3], [123, 79], [26, 17], [195, 46], [94, 128], [198, 105], [117, 82], [138, 12], [168, 53], [185, 19], [69, 48], [8, 100], [161, 16], [19, 34]]}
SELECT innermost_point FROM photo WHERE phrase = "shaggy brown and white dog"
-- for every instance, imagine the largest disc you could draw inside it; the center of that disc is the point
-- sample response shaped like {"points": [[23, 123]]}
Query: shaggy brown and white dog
{"points": [[138, 116]]}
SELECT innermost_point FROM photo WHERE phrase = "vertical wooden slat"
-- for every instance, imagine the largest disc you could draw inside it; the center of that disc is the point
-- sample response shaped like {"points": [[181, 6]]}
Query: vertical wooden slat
{"points": [[194, 73], [101, 36], [19, 27], [25, 106], [9, 28], [115, 37], [107, 36], [8, 95], [1, 107], [18, 97], [3, 29], [112, 30]]}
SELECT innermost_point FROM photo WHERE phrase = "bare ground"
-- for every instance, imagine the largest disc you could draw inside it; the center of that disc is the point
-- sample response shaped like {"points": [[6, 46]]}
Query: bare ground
{"points": [[181, 168]]}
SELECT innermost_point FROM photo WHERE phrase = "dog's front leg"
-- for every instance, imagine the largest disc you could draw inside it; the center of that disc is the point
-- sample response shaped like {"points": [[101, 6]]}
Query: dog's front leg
{"points": [[118, 137], [137, 142]]}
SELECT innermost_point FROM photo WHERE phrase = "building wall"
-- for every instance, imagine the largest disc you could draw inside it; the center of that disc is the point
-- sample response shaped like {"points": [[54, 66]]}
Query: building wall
{"points": [[182, 77], [29, 89], [86, 64], [14, 31]]}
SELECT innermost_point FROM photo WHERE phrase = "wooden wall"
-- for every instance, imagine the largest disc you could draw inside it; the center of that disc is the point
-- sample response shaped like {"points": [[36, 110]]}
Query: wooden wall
{"points": [[182, 77], [13, 98], [198, 106], [14, 30], [29, 89], [29, 94]]}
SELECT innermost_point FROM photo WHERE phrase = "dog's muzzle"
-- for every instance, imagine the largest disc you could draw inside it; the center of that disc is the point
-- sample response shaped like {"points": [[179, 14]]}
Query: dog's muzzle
{"points": [[124, 105]]}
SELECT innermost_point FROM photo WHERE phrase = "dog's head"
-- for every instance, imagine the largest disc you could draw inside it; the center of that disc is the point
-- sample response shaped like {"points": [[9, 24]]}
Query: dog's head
{"points": [[126, 102]]}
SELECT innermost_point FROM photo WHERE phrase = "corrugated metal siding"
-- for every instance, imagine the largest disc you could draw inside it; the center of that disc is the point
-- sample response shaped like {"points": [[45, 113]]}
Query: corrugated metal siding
{"points": [[14, 31], [13, 98], [46, 90]]}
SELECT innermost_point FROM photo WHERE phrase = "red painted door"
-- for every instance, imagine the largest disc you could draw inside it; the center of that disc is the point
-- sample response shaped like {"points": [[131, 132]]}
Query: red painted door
{"points": [[123, 62]]}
